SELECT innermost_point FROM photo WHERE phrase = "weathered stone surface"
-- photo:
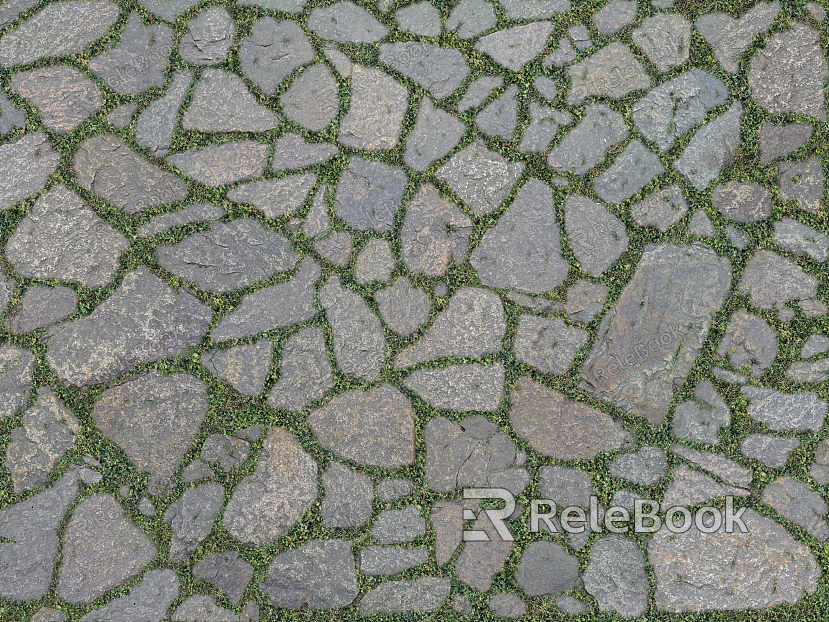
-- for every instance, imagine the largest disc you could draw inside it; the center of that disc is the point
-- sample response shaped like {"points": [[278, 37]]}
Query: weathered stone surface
{"points": [[45, 614], [711, 148], [291, 302], [49, 430], [506, 605], [665, 38], [369, 194], [614, 16], [194, 472], [801, 239], [227, 571], [596, 237], [730, 37], [771, 281], [222, 103], [403, 307], [265, 505], [460, 387], [56, 30], [646, 466], [374, 263], [186, 215], [815, 344], [10, 115], [572, 606], [273, 51], [439, 70], [631, 171], [471, 325], [478, 91], [561, 428], [434, 134], [470, 18], [101, 550], [11, 9], [312, 101], [387, 560], [228, 451], [702, 572], [480, 561], [701, 418], [393, 488], [500, 117], [147, 602], [616, 577], [168, 10], [153, 321], [305, 373], [662, 209], [348, 497], [777, 141], [743, 202], [202, 608], [41, 306], [586, 145], [16, 366], [515, 47], [157, 122], [423, 594], [749, 340], [347, 23], [336, 248], [275, 197], [544, 123], [533, 9], [209, 37], [226, 163], [245, 367], [289, 6], [291, 151], [565, 486], [692, 487], [374, 427], [611, 72], [644, 351], [25, 165], [421, 18], [549, 345], [396, 526], [701, 225], [63, 96], [785, 411], [726, 469], [191, 519], [375, 116], [546, 569], [318, 575], [585, 300], [564, 54], [803, 183]]}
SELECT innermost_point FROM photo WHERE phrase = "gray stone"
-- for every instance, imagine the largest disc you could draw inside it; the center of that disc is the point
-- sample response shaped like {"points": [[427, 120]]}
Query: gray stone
{"points": [[88, 476], [616, 577], [803, 183], [572, 606], [771, 281], [544, 123], [596, 237], [348, 497], [147, 602], [305, 373], [806, 371], [434, 134], [190, 214], [313, 100], [700, 419], [448, 525], [549, 345], [369, 194], [743, 202], [478, 91], [10, 115], [41, 306], [157, 122], [624, 367], [228, 451], [586, 145], [139, 60], [388, 560], [726, 469], [56, 30], [480, 561], [565, 486], [547, 569], [785, 411], [10, 11], [815, 344], [730, 37], [226, 163], [375, 117], [25, 165], [737, 237], [16, 366], [393, 488], [191, 519], [692, 487], [665, 38], [646, 466], [777, 141], [195, 471], [421, 18], [284, 304], [471, 325], [275, 197], [500, 117], [662, 209], [336, 248], [101, 550], [580, 36], [374, 427], [227, 571], [347, 23], [788, 75], [289, 6], [106, 166], [558, 427], [423, 594], [403, 307], [222, 103], [800, 239], [49, 430], [209, 37], [202, 608], [585, 300], [168, 10], [245, 367], [291, 151], [506, 605], [45, 614], [816, 11], [750, 341], [562, 55], [437, 69], [546, 87], [273, 51], [614, 16], [533, 9], [631, 171], [470, 18], [773, 451], [318, 575], [515, 47], [460, 387], [374, 263], [611, 72], [29, 530], [760, 568], [62, 95], [711, 148], [480, 177], [265, 505]]}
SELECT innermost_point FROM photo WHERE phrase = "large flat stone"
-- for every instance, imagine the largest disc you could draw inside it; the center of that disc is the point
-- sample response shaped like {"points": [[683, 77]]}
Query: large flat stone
{"points": [[25, 165]]}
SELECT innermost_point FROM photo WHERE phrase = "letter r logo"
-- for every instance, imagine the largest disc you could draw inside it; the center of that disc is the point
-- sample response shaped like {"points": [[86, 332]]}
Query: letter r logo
{"points": [[496, 517]]}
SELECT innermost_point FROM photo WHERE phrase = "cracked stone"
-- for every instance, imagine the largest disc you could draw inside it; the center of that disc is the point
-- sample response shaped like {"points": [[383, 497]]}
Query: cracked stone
{"points": [[434, 134], [369, 194], [191, 519], [631, 171], [222, 103], [596, 237], [273, 51], [313, 100], [700, 419], [611, 72], [749, 340], [25, 165], [500, 117], [157, 122], [549, 345], [438, 70], [692, 487], [730, 37], [209, 37], [226, 571], [348, 497], [662, 209], [727, 470], [460, 387], [62, 95], [585, 300], [403, 307], [345, 22], [711, 148], [41, 306], [785, 411], [585, 146]]}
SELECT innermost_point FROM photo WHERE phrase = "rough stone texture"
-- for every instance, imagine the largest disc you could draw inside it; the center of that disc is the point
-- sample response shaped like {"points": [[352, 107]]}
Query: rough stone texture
{"points": [[228, 451], [506, 605], [460, 387], [586, 145], [374, 263], [202, 607], [421, 18], [479, 562], [800, 239], [375, 117], [802, 182], [194, 472], [784, 411], [547, 569], [815, 344], [312, 101], [439, 70], [692, 487], [771, 281], [700, 419], [222, 103], [743, 202], [403, 307], [596, 237], [226, 163], [374, 427], [423, 594], [226, 571], [25, 165], [611, 72], [396, 526], [305, 373], [186, 215], [777, 141], [63, 96], [616, 577], [16, 366], [500, 117], [515, 47], [635, 167], [572, 606], [157, 122], [273, 51], [662, 209], [549, 345], [623, 367], [585, 300], [291, 151], [646, 466], [347, 23], [469, 19], [711, 148], [750, 341], [348, 497], [478, 91], [45, 614], [147, 602], [544, 123], [434, 134], [665, 38], [209, 37], [393, 488], [191, 519], [10, 115], [565, 486], [369, 194], [773, 451], [614, 16], [275, 197], [41, 306], [387, 560], [726, 469], [730, 37], [245, 367]]}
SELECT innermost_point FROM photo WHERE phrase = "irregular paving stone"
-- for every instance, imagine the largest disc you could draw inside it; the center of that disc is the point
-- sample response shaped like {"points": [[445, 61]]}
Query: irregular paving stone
{"points": [[515, 47], [692, 487], [631, 171], [140, 59], [730, 37], [675, 106], [562, 55], [815, 344], [448, 525], [586, 145], [727, 470], [222, 103], [245, 366], [611, 72], [41, 306], [227, 571], [396, 526], [585, 300], [49, 430], [157, 122], [785, 411], [500, 117], [644, 351], [62, 95], [195, 471], [153, 321], [228, 451], [480, 177], [547, 569], [736, 237], [374, 263], [30, 540], [90, 477], [423, 594], [743, 202], [56, 30], [646, 466], [771, 281], [305, 373], [507, 605], [596, 237], [700, 419], [701, 225], [565, 486], [101, 550], [711, 148], [800, 239], [571, 606], [580, 36], [393, 488], [777, 141], [816, 11], [434, 134], [616, 577], [665, 38], [289, 6], [265, 505], [186, 215], [439, 70], [191, 519], [749, 340], [202, 608], [478, 91], [273, 51], [546, 87], [403, 307], [421, 18], [209, 37], [369, 194], [471, 325], [230, 255], [341, 62], [788, 75], [16, 366], [387, 560], [374, 427], [284, 304], [533, 9], [8, 290], [375, 117], [168, 10], [312, 101], [348, 497], [153, 419], [728, 376], [336, 248], [216, 165], [291, 151], [544, 123], [11, 9], [802, 182], [549, 345], [469, 19], [614, 16], [10, 115], [147, 602], [480, 561], [275, 197], [556, 426], [434, 233], [25, 165], [106, 166], [45, 614], [820, 467], [753, 570], [347, 23], [318, 575], [460, 387], [662, 209]]}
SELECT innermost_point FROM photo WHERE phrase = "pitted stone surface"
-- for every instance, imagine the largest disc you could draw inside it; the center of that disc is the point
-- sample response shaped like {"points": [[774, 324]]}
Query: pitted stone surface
{"points": [[40, 307], [225, 163], [64, 97], [222, 103], [273, 51], [209, 37], [25, 165], [585, 146], [375, 118]]}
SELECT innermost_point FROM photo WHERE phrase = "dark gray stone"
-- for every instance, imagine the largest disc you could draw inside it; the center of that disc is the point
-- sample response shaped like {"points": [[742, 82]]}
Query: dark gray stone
{"points": [[700, 419], [393, 488], [423, 594], [202, 608], [585, 300], [196, 471], [45, 614], [209, 37], [16, 366], [803, 183], [596, 237], [191, 519], [191, 213], [437, 69], [547, 569], [348, 497], [500, 117], [421, 18], [305, 373], [771, 281], [228, 451], [469, 19], [743, 202], [480, 561], [572, 606], [785, 411], [506, 605], [369, 194], [246, 367], [460, 387], [801, 239], [646, 466], [564, 54], [616, 577], [41, 306], [273, 51], [25, 165], [11, 9], [168, 10], [533, 9], [226, 571], [375, 116], [701, 225], [388, 560], [711, 148], [336, 248], [403, 307], [730, 37], [631, 171], [62, 95], [586, 145], [478, 91], [565, 486], [797, 502], [289, 6], [222, 103], [10, 115], [226, 163], [750, 341], [773, 451], [515, 47], [313, 100], [147, 602], [549, 345], [157, 122], [777, 141], [434, 134], [347, 23]]}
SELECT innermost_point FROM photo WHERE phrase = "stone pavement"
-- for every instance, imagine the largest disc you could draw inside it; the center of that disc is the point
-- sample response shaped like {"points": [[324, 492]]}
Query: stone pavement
{"points": [[282, 278]]}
